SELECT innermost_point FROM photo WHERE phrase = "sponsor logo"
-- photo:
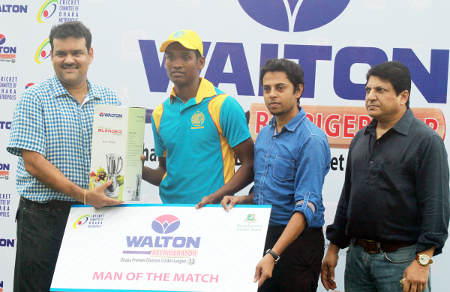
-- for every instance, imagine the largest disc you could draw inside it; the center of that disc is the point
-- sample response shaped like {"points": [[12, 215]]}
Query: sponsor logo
{"points": [[68, 10], [340, 123], [429, 76], [58, 11], [89, 221], [110, 115], [43, 52], [13, 8], [293, 15], [7, 53], [165, 224], [249, 224], [5, 202], [165, 247], [4, 171], [8, 86], [82, 220], [4, 125], [29, 85], [109, 131], [250, 218], [47, 11], [197, 120], [7, 242]]}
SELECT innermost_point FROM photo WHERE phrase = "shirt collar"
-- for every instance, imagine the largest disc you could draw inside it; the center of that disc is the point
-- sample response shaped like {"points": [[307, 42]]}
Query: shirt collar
{"points": [[404, 123], [292, 124], [60, 91], [401, 127], [205, 89], [94, 91]]}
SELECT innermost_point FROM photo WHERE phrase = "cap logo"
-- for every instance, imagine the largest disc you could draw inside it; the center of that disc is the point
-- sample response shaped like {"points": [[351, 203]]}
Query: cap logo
{"points": [[178, 34]]}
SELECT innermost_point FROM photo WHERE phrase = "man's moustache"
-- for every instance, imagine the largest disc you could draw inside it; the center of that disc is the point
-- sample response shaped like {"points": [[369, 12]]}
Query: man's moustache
{"points": [[69, 66]]}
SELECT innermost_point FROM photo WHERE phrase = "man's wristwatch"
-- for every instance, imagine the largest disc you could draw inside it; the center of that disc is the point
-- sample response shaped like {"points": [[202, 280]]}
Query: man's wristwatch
{"points": [[423, 259], [273, 254]]}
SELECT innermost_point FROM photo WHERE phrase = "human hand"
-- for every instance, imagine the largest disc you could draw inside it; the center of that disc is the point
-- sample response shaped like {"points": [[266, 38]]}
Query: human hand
{"points": [[329, 263], [228, 202], [415, 277], [97, 197], [264, 269], [205, 200]]}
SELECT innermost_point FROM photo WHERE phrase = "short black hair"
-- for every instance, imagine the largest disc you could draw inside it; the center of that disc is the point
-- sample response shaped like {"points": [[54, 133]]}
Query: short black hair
{"points": [[294, 71], [394, 72], [69, 29]]}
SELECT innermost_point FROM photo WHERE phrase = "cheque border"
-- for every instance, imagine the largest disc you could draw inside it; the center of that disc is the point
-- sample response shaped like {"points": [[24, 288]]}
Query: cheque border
{"points": [[173, 205]]}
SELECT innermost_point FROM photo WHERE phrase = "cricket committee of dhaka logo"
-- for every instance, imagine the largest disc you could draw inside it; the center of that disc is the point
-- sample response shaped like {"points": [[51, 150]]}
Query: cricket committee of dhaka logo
{"points": [[293, 15], [43, 52], [165, 224], [47, 10], [83, 219]]}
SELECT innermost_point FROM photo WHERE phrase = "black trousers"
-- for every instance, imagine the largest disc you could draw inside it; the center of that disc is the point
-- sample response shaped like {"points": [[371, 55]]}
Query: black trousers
{"points": [[40, 229], [298, 269]]}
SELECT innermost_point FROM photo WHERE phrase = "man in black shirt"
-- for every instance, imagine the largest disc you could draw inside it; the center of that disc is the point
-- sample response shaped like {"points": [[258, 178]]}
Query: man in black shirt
{"points": [[394, 206]]}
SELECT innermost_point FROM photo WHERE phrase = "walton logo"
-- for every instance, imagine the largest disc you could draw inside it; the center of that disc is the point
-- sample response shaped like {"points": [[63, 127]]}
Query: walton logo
{"points": [[7, 242], [47, 10], [12, 8], [7, 53], [293, 15], [110, 115], [166, 224], [4, 171], [5, 125]]}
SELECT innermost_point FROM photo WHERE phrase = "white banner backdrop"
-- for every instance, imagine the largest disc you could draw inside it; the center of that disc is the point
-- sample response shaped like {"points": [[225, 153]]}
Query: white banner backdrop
{"points": [[336, 41]]}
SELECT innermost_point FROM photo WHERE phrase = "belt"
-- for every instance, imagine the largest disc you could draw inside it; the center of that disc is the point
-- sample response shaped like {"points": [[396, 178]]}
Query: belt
{"points": [[373, 247], [52, 204]]}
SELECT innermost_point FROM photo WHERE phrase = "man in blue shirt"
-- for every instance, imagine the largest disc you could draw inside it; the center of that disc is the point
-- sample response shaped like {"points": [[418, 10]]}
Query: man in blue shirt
{"points": [[292, 157], [51, 134]]}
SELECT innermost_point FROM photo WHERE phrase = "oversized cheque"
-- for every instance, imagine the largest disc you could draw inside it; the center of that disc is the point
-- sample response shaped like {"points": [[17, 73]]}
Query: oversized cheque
{"points": [[161, 247]]}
